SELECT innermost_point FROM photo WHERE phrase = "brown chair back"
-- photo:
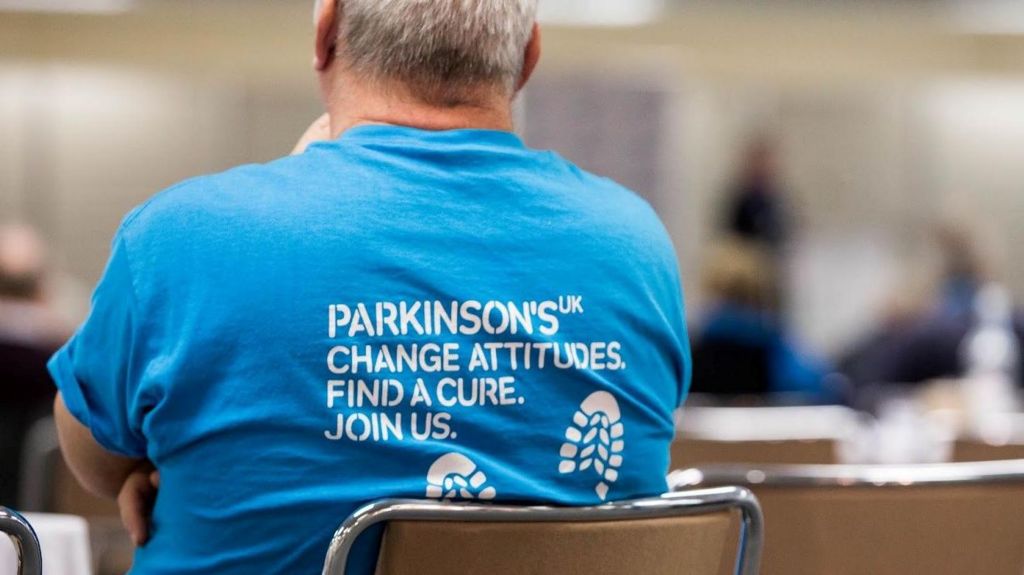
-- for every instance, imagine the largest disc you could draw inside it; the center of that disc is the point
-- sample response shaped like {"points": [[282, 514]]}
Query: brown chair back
{"points": [[942, 530], [799, 435], [666, 546], [936, 520], [694, 452], [976, 450], [672, 534]]}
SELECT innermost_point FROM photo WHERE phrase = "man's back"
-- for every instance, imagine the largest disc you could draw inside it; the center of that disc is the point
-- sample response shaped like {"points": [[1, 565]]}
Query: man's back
{"points": [[397, 313]]}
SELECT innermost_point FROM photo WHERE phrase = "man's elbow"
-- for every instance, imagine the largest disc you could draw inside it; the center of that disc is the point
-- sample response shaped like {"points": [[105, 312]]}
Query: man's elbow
{"points": [[99, 471]]}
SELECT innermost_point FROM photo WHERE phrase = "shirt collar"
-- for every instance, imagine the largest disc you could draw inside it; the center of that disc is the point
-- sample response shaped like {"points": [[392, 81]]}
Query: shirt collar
{"points": [[371, 133]]}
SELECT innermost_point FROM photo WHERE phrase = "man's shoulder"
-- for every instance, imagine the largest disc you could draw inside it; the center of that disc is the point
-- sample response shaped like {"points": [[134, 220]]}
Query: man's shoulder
{"points": [[620, 210], [607, 194], [213, 199]]}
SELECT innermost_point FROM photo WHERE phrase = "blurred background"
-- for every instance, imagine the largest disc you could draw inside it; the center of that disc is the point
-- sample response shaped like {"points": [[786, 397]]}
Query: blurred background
{"points": [[884, 121], [843, 180]]}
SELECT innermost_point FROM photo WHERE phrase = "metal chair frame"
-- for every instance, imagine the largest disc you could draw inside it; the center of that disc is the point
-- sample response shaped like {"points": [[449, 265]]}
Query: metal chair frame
{"points": [[26, 543], [940, 474], [679, 504]]}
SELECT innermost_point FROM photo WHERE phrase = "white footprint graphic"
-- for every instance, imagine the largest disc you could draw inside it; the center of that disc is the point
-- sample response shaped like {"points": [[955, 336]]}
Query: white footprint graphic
{"points": [[594, 440], [455, 476]]}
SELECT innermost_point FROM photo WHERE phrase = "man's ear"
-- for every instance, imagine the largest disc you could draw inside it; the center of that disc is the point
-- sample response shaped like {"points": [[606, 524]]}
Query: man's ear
{"points": [[326, 34], [532, 57]]}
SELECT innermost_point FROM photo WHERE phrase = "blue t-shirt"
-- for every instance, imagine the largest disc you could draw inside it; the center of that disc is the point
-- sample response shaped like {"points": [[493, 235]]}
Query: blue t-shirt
{"points": [[395, 313]]}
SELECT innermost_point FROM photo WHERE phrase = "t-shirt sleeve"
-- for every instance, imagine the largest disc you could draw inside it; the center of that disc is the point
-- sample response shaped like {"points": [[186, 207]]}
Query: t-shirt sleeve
{"points": [[98, 372]]}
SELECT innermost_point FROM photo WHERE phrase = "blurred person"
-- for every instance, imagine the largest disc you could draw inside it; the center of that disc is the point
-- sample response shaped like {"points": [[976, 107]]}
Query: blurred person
{"points": [[964, 269], [415, 304], [928, 345], [860, 363], [757, 210], [740, 348], [30, 332]]}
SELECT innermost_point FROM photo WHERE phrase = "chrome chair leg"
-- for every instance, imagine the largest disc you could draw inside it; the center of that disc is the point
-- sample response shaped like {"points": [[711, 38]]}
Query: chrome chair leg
{"points": [[30, 558]]}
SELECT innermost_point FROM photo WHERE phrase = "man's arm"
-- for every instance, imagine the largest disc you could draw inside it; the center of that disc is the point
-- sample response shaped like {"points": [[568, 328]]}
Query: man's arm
{"points": [[98, 470]]}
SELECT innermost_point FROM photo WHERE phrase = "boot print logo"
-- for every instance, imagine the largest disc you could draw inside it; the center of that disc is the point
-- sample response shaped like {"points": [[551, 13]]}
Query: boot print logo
{"points": [[455, 476], [594, 441]]}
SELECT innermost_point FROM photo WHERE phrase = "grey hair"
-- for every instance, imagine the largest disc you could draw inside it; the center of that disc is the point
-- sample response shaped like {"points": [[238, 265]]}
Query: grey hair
{"points": [[440, 49]]}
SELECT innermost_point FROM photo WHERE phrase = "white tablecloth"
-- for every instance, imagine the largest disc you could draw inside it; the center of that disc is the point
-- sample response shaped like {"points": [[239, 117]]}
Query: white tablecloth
{"points": [[65, 543], [767, 423]]}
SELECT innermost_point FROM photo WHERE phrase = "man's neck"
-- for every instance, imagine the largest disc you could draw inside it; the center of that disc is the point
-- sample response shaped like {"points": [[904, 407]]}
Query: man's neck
{"points": [[350, 109]]}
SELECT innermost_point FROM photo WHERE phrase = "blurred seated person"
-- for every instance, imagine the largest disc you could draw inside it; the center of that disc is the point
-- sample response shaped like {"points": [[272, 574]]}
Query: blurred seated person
{"points": [[927, 342], [416, 305], [757, 211], [30, 332], [741, 350]]}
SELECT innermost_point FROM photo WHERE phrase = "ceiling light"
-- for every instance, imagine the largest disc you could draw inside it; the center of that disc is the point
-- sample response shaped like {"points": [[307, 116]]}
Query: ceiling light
{"points": [[67, 6], [601, 12], [988, 17]]}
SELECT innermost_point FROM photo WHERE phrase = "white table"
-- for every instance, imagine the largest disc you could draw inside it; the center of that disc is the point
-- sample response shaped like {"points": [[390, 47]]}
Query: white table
{"points": [[767, 423], [64, 540]]}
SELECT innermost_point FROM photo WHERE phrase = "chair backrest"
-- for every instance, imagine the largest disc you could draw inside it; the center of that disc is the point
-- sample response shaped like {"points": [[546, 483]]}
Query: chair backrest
{"points": [[760, 435], [979, 450], [690, 452], [885, 520], [993, 437], [676, 533], [26, 544]]}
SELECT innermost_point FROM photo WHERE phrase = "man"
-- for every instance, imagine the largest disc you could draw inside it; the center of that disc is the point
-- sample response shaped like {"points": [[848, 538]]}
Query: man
{"points": [[420, 306]]}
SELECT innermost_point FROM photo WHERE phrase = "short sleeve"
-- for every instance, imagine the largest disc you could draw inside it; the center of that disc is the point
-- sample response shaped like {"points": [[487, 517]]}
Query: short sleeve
{"points": [[98, 371]]}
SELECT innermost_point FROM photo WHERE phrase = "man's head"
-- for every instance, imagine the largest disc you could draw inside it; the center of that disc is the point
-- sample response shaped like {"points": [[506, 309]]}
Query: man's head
{"points": [[22, 260], [442, 53]]}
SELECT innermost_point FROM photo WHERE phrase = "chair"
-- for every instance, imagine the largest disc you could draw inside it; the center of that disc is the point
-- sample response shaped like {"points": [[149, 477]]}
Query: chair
{"points": [[996, 437], [760, 435], [967, 450], [26, 544], [693, 452], [886, 520], [676, 533]]}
